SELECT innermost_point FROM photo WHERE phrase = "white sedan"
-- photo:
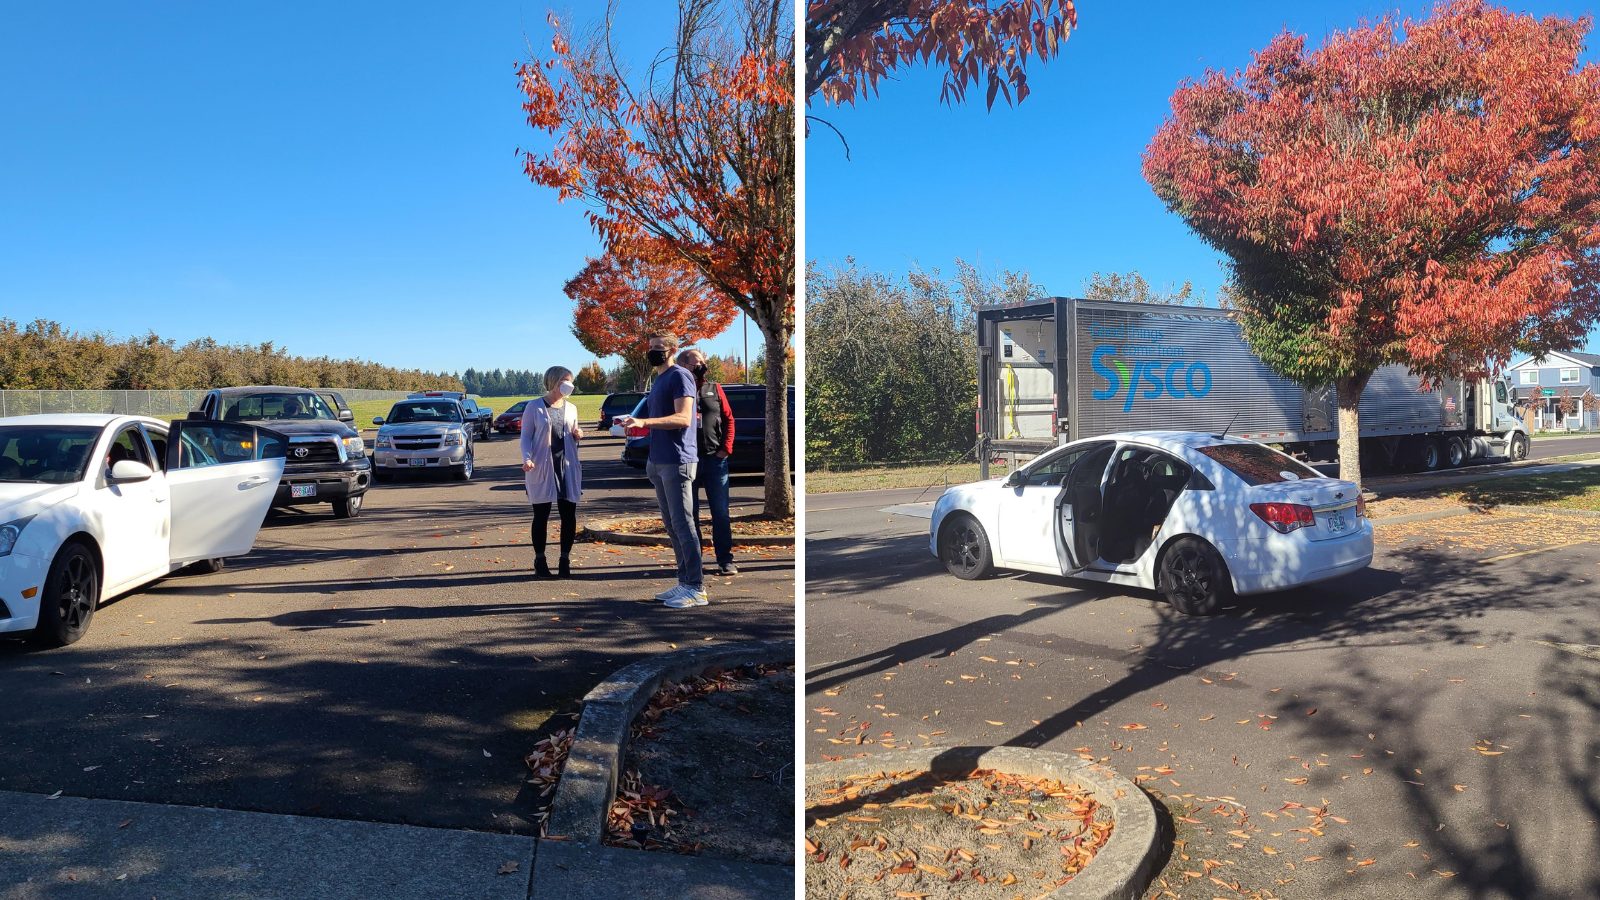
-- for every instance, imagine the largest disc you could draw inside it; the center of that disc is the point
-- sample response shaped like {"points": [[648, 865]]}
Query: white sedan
{"points": [[1198, 517], [93, 506]]}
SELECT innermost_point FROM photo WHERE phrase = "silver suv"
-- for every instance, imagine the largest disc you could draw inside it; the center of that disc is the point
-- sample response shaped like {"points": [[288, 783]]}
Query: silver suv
{"points": [[421, 435]]}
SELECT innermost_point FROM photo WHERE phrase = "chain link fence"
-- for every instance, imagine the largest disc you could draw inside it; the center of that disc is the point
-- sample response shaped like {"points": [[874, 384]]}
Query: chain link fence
{"points": [[135, 403]]}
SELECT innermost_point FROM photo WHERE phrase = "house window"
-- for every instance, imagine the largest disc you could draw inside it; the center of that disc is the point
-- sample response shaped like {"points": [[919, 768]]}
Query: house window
{"points": [[1569, 376], [1529, 376]]}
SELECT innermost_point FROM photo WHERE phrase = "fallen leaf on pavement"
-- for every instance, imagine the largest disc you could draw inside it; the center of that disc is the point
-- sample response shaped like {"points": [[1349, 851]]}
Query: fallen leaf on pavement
{"points": [[507, 867]]}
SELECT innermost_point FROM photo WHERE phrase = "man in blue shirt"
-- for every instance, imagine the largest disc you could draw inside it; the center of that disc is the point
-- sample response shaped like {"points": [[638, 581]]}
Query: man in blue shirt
{"points": [[671, 466]]}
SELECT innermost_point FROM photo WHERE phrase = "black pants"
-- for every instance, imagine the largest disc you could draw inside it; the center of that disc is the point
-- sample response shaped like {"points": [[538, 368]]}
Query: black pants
{"points": [[541, 526]]}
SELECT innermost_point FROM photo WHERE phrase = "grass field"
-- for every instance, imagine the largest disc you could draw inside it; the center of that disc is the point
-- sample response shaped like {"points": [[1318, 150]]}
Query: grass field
{"points": [[588, 407], [885, 477], [1577, 489]]}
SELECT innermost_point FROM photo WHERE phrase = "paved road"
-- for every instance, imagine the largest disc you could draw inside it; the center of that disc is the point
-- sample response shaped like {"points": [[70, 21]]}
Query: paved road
{"points": [[1422, 703], [392, 668]]}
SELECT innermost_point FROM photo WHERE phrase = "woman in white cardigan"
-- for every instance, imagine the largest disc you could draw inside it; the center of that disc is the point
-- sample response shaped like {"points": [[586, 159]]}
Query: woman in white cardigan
{"points": [[551, 473]]}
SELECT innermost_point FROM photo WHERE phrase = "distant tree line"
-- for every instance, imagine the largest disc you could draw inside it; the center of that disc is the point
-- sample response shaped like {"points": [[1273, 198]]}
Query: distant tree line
{"points": [[891, 363], [44, 355]]}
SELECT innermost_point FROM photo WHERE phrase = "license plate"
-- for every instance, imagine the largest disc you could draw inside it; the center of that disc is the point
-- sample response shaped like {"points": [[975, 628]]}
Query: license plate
{"points": [[1336, 521], [302, 490], [418, 461]]}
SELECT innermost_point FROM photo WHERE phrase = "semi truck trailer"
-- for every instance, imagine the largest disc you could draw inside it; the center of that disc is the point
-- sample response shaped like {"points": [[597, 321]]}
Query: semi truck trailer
{"points": [[1060, 369]]}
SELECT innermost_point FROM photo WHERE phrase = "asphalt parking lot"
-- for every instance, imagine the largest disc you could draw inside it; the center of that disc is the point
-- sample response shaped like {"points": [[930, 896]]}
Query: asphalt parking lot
{"points": [[1427, 728], [393, 668]]}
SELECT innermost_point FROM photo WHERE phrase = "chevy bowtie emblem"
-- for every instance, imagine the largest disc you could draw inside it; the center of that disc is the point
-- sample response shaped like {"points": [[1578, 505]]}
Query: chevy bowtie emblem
{"points": [[301, 452]]}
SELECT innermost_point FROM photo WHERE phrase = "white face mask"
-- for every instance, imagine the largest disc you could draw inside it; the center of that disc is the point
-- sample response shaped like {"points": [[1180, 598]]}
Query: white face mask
{"points": [[565, 388]]}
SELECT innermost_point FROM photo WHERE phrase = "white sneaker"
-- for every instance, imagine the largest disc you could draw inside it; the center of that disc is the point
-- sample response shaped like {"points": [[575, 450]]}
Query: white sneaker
{"points": [[671, 592], [689, 597]]}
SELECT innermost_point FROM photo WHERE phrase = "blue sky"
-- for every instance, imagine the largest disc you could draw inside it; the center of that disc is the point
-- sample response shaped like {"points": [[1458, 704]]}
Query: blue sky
{"points": [[339, 178], [1052, 186]]}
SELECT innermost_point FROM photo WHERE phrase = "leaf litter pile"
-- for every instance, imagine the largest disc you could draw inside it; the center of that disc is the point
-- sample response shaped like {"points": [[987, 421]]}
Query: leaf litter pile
{"points": [[709, 768], [754, 525], [910, 835]]}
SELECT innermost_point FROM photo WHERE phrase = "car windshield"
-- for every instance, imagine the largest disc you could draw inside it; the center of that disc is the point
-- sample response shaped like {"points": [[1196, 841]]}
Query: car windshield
{"points": [[433, 411], [748, 404], [48, 454], [621, 401], [516, 407], [1256, 464], [258, 407]]}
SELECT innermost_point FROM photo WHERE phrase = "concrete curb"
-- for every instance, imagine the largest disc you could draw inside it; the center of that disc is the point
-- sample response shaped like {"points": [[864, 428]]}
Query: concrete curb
{"points": [[598, 532], [1123, 867], [1428, 516], [589, 779]]}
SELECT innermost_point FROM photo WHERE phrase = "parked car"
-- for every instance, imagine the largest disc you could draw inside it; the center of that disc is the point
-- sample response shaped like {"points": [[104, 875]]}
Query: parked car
{"points": [[327, 461], [1197, 517], [510, 421], [480, 417], [93, 506], [617, 404], [749, 405], [421, 436]]}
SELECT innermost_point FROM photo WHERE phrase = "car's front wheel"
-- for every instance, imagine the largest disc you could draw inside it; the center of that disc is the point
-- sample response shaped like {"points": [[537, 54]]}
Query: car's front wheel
{"points": [[347, 507], [71, 595], [1194, 577], [964, 548], [463, 472], [1518, 450]]}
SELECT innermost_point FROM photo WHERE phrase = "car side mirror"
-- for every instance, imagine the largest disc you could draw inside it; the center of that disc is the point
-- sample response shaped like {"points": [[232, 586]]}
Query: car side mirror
{"points": [[129, 470], [346, 415], [1014, 479], [377, 420]]}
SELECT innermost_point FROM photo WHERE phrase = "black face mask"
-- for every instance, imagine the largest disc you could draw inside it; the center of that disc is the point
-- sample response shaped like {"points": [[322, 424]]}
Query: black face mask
{"points": [[699, 371], [657, 357]]}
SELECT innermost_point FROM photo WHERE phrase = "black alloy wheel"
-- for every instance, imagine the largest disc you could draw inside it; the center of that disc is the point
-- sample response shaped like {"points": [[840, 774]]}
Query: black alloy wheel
{"points": [[965, 549], [1194, 578], [71, 595]]}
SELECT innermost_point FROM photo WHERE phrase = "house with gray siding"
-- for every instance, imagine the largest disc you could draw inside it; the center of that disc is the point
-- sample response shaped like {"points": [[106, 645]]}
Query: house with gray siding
{"points": [[1539, 383]]}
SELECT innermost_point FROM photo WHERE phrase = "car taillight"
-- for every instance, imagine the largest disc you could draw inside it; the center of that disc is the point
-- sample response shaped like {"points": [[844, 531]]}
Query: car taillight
{"points": [[1361, 507], [637, 432], [1285, 517]]}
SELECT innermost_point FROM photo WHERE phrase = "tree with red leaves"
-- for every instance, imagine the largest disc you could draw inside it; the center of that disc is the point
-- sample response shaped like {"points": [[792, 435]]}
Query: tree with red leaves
{"points": [[622, 300], [696, 152], [1424, 192], [851, 45]]}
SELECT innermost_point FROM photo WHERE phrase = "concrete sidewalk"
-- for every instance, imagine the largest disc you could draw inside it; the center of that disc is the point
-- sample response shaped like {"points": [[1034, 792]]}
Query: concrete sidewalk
{"points": [[82, 848], [111, 848]]}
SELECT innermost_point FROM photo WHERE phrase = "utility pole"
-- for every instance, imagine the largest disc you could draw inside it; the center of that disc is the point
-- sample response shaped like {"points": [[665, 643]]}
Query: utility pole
{"points": [[746, 317]]}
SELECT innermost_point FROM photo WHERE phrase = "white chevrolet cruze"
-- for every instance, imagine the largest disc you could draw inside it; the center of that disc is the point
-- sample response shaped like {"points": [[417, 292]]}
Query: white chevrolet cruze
{"points": [[1197, 517], [92, 506]]}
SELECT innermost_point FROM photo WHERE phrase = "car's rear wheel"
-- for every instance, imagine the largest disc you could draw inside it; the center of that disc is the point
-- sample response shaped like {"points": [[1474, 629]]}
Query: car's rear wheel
{"points": [[347, 507], [71, 595], [208, 566], [964, 548], [1194, 577]]}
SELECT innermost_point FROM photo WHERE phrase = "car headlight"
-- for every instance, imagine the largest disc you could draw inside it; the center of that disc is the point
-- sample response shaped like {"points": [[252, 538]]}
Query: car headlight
{"points": [[10, 533], [453, 437], [354, 447], [384, 442]]}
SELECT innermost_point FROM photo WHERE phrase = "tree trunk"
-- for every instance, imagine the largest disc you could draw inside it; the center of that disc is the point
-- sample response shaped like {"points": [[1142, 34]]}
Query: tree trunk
{"points": [[1350, 388], [779, 493]]}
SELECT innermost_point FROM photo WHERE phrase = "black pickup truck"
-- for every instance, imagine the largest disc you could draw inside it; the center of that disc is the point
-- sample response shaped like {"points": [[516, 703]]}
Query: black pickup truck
{"points": [[326, 460]]}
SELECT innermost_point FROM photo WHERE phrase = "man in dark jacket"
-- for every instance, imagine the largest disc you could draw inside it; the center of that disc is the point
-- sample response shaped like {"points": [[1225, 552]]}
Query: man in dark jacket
{"points": [[716, 445]]}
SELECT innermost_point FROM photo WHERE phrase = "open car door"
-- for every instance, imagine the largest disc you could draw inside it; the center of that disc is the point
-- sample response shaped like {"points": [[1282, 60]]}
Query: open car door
{"points": [[1080, 508], [222, 477]]}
